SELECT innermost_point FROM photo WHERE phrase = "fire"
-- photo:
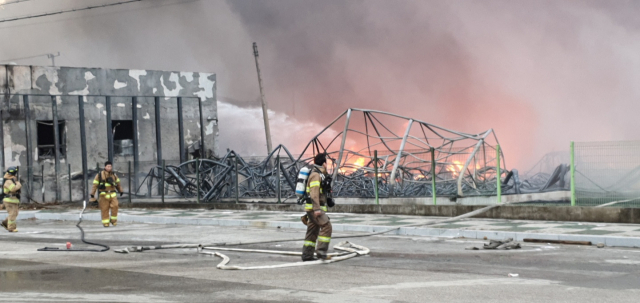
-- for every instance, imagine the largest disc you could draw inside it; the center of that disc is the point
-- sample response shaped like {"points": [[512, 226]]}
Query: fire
{"points": [[455, 168], [353, 166]]}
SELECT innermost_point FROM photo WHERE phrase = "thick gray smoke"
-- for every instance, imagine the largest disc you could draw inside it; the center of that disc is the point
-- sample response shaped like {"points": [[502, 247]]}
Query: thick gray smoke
{"points": [[541, 73]]}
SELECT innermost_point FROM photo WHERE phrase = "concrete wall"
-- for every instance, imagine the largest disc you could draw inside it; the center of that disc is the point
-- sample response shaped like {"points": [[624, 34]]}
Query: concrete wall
{"points": [[558, 197], [511, 212], [69, 82]]}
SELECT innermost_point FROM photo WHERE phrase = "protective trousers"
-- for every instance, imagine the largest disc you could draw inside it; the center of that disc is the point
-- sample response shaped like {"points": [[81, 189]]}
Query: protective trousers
{"points": [[317, 229], [108, 202], [10, 221]]}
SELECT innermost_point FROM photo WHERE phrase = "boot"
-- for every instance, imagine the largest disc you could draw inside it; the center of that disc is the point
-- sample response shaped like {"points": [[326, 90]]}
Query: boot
{"points": [[114, 222], [307, 254], [322, 255], [105, 225], [4, 224]]}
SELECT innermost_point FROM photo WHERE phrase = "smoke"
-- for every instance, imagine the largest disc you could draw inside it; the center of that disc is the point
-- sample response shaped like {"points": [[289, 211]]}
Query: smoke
{"points": [[249, 139], [540, 73]]}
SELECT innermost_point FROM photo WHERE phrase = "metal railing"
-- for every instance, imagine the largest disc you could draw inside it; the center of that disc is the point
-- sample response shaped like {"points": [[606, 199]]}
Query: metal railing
{"points": [[60, 178]]}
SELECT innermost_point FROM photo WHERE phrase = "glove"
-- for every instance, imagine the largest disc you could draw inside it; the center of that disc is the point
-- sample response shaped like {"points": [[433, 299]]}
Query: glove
{"points": [[304, 219], [121, 193], [92, 197], [330, 202]]}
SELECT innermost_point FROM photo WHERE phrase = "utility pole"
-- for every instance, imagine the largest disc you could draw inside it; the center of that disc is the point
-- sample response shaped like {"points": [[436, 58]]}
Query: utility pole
{"points": [[53, 58], [265, 114]]}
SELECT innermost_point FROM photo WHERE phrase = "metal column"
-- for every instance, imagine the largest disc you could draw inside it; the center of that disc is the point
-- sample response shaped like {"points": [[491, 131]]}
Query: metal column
{"points": [[129, 171], [27, 121], [159, 145], [134, 120], [392, 178], [573, 174], [344, 139], [433, 175], [202, 144], [237, 176], [69, 175], [158, 131], [375, 175], [83, 145], [109, 128], [56, 144], [183, 156], [498, 175], [2, 137], [265, 114]]}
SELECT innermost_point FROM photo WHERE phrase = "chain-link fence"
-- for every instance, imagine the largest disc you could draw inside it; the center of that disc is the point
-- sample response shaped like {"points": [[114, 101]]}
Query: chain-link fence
{"points": [[607, 173]]}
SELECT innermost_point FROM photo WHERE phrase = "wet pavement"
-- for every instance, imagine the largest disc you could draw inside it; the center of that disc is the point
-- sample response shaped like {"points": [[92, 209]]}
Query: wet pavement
{"points": [[399, 269], [610, 234]]}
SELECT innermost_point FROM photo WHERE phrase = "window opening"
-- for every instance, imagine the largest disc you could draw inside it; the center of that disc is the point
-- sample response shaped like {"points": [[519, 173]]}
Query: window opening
{"points": [[46, 139], [122, 137]]}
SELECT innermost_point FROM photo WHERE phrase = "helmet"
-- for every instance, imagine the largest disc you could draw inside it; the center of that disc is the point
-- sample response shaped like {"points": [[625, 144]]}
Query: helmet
{"points": [[13, 170]]}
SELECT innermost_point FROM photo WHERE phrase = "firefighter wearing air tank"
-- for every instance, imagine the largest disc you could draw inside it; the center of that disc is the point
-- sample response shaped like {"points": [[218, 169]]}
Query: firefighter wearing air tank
{"points": [[318, 225], [11, 190], [106, 183]]}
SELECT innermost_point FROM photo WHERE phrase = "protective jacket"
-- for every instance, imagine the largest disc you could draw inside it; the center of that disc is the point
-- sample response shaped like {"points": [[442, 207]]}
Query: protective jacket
{"points": [[110, 181], [317, 198], [318, 226], [11, 188]]}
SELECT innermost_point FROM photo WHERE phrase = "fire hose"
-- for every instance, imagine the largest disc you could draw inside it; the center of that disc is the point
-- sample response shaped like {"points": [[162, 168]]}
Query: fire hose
{"points": [[350, 250], [104, 247]]}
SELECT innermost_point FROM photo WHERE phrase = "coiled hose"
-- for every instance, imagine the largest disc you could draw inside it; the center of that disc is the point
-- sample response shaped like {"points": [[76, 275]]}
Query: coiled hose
{"points": [[104, 247]]}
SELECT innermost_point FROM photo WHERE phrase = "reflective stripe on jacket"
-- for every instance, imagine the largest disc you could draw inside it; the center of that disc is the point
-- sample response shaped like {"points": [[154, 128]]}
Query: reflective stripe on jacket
{"points": [[314, 190], [110, 188], [10, 188]]}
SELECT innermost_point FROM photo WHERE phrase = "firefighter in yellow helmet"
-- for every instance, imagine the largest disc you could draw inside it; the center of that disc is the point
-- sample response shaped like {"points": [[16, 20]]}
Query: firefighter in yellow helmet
{"points": [[11, 189], [106, 182], [318, 226]]}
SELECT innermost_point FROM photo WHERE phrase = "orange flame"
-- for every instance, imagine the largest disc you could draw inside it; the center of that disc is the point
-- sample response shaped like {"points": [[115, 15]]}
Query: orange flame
{"points": [[455, 168], [359, 162]]}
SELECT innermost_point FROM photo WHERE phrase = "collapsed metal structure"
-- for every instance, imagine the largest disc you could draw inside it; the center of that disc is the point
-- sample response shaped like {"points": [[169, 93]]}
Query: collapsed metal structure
{"points": [[410, 157]]}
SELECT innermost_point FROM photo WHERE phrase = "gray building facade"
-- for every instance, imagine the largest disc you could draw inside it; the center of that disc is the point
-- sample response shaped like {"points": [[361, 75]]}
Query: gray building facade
{"points": [[137, 116]]}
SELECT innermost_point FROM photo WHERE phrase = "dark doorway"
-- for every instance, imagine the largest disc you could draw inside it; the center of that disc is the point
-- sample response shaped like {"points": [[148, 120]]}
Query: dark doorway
{"points": [[46, 139], [122, 137]]}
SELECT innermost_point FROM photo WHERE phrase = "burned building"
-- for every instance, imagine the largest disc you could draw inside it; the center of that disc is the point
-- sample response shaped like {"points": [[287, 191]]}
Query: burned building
{"points": [[59, 122]]}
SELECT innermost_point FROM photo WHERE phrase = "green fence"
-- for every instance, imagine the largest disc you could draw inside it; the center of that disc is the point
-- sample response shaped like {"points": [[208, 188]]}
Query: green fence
{"points": [[606, 174]]}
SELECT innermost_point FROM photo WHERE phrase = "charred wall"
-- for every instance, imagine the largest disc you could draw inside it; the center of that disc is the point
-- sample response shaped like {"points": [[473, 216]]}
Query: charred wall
{"points": [[95, 83]]}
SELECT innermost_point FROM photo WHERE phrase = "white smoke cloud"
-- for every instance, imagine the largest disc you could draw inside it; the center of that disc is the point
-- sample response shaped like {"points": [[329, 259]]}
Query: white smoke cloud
{"points": [[540, 73], [243, 130]]}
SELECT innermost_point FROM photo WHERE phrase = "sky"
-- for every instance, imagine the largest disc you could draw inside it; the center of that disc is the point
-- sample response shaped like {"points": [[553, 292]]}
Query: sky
{"points": [[540, 73]]}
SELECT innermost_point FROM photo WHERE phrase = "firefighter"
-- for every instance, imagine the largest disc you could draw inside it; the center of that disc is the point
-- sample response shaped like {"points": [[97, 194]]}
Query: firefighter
{"points": [[106, 183], [318, 225], [11, 189]]}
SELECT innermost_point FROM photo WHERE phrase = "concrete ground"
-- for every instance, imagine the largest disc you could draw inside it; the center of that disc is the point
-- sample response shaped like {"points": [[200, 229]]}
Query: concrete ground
{"points": [[610, 234], [399, 269]]}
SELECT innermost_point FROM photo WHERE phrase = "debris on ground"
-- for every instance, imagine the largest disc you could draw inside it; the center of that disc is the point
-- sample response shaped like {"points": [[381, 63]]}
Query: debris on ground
{"points": [[495, 244]]}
